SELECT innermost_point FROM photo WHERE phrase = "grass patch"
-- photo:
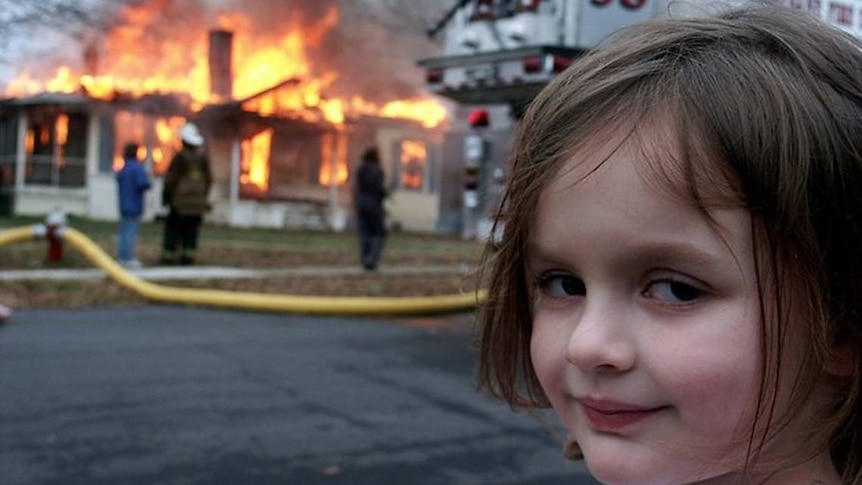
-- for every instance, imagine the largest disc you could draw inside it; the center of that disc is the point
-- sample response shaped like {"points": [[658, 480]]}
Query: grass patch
{"points": [[244, 248]]}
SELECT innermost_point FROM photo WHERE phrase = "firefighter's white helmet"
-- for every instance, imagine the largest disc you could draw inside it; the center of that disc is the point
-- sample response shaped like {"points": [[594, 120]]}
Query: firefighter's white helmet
{"points": [[191, 135]]}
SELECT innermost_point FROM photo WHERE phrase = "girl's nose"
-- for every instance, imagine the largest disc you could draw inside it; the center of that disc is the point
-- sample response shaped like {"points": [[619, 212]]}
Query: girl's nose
{"points": [[602, 340]]}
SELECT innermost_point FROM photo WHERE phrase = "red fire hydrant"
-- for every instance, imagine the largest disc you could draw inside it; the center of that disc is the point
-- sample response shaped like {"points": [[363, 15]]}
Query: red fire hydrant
{"points": [[55, 221]]}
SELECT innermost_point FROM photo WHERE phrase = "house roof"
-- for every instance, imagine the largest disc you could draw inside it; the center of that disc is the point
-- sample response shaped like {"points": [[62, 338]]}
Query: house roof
{"points": [[66, 99], [179, 103], [287, 82], [239, 109]]}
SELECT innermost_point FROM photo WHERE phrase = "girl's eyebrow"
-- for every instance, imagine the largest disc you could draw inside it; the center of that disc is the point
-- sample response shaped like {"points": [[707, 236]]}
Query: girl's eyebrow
{"points": [[677, 252], [655, 252]]}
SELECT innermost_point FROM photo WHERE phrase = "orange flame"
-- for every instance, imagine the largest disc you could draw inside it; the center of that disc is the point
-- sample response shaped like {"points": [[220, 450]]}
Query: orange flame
{"points": [[413, 157], [30, 142], [131, 61], [254, 166], [333, 167], [62, 129], [181, 66], [264, 61], [62, 134], [135, 126]]}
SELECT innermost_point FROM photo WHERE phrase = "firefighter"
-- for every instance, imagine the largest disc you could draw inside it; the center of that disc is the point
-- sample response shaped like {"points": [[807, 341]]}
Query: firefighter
{"points": [[185, 193]]}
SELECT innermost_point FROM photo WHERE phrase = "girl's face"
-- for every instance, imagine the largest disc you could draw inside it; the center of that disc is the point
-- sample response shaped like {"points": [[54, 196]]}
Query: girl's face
{"points": [[646, 331]]}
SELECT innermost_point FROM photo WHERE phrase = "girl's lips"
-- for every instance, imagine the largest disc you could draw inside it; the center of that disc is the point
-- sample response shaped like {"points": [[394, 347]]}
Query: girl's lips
{"points": [[614, 417]]}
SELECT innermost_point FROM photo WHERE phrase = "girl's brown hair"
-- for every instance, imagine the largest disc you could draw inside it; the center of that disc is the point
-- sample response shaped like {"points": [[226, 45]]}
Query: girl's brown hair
{"points": [[774, 98]]}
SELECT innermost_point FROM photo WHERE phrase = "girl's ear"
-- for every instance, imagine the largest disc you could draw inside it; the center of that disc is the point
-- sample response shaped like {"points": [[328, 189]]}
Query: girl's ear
{"points": [[842, 362]]}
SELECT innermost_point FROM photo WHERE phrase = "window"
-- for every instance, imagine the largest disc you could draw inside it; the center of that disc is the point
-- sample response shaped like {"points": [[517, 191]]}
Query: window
{"points": [[56, 148], [814, 7], [157, 134], [840, 14], [255, 165], [8, 142], [334, 166], [413, 165]]}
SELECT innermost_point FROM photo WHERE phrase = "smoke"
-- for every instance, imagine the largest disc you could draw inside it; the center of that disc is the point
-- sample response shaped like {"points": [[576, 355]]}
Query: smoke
{"points": [[376, 58], [374, 46]]}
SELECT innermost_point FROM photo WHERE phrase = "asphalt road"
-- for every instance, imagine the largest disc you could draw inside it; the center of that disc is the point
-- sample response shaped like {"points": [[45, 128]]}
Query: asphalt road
{"points": [[184, 396]]}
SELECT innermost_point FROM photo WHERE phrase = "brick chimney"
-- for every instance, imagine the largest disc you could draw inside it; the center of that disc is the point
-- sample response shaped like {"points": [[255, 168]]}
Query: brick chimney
{"points": [[221, 64]]}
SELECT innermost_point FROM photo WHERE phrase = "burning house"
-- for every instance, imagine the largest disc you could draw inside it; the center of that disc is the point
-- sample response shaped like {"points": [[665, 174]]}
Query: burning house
{"points": [[282, 147]]}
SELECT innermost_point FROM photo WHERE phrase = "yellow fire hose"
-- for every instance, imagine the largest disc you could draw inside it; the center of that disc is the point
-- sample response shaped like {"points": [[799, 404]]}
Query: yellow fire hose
{"points": [[247, 300]]}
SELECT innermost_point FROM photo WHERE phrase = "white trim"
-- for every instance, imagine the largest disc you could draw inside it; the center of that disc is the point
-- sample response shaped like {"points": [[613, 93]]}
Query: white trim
{"points": [[21, 151]]}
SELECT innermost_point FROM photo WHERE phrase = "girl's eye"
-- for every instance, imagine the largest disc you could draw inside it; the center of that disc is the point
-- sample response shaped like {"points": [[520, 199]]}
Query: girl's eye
{"points": [[562, 286], [673, 291]]}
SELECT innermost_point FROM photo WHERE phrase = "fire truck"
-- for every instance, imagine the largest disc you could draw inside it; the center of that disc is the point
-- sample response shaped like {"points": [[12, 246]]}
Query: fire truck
{"points": [[505, 51], [497, 55]]}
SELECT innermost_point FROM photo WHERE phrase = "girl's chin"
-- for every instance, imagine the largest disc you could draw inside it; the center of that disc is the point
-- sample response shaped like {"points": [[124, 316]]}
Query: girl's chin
{"points": [[612, 461], [616, 471]]}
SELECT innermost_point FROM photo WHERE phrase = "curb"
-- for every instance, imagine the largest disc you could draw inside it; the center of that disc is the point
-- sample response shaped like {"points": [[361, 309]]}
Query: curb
{"points": [[166, 273]]}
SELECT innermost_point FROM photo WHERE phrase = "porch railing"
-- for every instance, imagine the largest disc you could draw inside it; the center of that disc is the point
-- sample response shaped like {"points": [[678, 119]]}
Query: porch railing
{"points": [[46, 170]]}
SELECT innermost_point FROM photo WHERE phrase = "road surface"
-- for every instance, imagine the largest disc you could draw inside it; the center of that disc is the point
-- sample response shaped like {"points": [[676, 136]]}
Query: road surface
{"points": [[184, 396]]}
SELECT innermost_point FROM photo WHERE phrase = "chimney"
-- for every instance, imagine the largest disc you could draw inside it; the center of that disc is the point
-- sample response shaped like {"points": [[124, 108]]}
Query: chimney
{"points": [[221, 64], [91, 58]]}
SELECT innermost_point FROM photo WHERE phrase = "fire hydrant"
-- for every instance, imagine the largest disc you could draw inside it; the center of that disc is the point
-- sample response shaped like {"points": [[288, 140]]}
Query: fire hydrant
{"points": [[55, 221]]}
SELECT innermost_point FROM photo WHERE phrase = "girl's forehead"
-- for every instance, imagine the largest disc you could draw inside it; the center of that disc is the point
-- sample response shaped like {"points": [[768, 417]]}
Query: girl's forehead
{"points": [[650, 145], [675, 161]]}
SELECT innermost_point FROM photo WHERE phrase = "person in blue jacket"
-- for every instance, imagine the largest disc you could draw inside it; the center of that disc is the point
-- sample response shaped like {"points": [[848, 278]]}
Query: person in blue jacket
{"points": [[132, 182]]}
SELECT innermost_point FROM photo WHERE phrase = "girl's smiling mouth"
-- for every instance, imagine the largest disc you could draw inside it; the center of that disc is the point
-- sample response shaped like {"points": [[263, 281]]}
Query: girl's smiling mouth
{"points": [[614, 417]]}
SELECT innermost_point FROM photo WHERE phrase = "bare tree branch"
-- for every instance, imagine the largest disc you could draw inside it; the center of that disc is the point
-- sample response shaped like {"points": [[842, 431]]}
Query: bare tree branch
{"points": [[26, 25], [406, 16]]}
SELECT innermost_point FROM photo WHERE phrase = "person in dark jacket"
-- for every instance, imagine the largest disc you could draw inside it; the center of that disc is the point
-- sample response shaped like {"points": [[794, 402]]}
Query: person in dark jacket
{"points": [[369, 193], [186, 189], [132, 183]]}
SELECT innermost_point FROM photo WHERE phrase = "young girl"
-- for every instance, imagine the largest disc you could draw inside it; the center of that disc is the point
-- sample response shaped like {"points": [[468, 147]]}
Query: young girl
{"points": [[680, 274]]}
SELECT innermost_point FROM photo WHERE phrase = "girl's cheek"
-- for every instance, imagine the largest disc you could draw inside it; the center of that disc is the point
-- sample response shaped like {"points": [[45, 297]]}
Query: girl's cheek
{"points": [[549, 364]]}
